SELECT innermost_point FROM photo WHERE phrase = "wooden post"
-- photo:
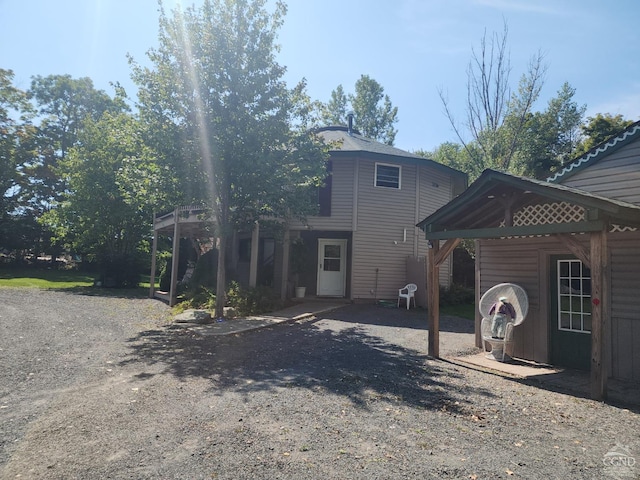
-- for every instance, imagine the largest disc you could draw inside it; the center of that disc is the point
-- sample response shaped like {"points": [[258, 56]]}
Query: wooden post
{"points": [[599, 322], [433, 300], [154, 250], [175, 256], [253, 264], [478, 317], [284, 283]]}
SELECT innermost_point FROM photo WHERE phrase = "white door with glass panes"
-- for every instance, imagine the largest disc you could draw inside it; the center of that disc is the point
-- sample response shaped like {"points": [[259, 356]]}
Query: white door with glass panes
{"points": [[332, 267]]}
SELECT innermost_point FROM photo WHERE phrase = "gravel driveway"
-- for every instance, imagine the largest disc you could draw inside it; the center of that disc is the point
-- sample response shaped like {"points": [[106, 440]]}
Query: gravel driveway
{"points": [[96, 388]]}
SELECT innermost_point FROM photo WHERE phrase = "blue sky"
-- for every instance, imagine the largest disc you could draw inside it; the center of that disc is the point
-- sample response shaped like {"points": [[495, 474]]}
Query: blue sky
{"points": [[411, 47]]}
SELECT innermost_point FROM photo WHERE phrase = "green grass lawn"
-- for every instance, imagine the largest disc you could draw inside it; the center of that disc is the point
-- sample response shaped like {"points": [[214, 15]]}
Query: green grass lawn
{"points": [[62, 280], [42, 278], [463, 311]]}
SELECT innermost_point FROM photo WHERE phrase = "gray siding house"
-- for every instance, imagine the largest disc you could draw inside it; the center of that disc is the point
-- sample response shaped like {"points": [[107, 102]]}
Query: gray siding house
{"points": [[377, 194], [573, 243], [363, 245]]}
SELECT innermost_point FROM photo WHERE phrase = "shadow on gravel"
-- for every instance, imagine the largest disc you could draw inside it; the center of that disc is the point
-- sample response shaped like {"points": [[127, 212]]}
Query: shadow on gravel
{"points": [[349, 363], [399, 317]]}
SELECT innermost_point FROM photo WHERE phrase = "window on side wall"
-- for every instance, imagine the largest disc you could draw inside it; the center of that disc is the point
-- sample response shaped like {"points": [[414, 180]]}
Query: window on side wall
{"points": [[387, 176]]}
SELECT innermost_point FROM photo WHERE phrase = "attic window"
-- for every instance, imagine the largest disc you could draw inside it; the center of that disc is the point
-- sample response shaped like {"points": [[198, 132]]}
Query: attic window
{"points": [[387, 176]]}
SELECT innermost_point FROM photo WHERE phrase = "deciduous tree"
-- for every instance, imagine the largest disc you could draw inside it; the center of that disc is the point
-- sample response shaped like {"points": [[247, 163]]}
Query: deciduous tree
{"points": [[599, 128], [16, 134], [105, 211], [496, 115], [550, 137], [214, 79], [374, 114]]}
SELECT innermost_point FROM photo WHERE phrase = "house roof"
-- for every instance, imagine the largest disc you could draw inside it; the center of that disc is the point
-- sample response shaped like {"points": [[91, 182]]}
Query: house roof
{"points": [[628, 135], [353, 143], [479, 210]]}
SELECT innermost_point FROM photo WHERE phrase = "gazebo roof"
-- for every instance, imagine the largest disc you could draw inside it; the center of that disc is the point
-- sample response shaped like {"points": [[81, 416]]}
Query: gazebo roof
{"points": [[499, 204]]}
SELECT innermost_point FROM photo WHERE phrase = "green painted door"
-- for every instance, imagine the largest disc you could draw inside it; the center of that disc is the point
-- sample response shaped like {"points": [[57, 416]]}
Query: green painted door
{"points": [[570, 328]]}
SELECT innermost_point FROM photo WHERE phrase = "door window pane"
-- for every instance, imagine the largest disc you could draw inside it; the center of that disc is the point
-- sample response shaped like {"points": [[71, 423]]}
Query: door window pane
{"points": [[332, 251], [332, 264], [574, 296]]}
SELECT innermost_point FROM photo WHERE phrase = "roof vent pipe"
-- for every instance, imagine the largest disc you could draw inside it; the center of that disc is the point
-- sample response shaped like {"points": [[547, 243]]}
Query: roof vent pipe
{"points": [[350, 116]]}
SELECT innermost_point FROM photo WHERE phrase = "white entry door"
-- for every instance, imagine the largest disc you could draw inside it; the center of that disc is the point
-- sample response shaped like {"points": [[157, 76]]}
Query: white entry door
{"points": [[332, 268]]}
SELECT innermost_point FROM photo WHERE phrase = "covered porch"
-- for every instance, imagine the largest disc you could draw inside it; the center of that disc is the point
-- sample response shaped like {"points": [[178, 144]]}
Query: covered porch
{"points": [[194, 222], [505, 209]]}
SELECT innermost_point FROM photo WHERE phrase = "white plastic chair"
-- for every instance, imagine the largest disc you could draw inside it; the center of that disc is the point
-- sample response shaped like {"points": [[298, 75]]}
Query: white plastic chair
{"points": [[408, 292], [517, 297]]}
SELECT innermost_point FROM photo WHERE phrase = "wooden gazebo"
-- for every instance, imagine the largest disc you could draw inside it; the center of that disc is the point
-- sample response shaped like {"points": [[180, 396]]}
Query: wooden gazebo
{"points": [[503, 206]]}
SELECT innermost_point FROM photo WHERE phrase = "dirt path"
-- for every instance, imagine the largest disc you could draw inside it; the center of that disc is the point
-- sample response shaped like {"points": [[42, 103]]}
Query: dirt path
{"points": [[98, 388]]}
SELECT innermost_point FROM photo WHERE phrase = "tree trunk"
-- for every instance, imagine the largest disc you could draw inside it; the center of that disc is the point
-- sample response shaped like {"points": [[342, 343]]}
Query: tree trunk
{"points": [[221, 277]]}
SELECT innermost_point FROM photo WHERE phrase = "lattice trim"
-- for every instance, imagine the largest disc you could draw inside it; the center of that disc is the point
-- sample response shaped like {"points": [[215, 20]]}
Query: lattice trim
{"points": [[622, 228], [547, 213]]}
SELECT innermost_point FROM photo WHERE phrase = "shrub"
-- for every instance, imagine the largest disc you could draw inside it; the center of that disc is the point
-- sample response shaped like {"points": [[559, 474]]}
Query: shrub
{"points": [[164, 278], [205, 273], [120, 270], [457, 295], [199, 298], [252, 301]]}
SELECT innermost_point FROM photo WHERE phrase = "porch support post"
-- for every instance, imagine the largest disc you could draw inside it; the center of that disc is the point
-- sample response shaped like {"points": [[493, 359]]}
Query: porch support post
{"points": [[284, 283], [447, 248], [175, 254], [433, 299], [477, 316], [575, 247], [253, 265], [154, 251], [599, 321]]}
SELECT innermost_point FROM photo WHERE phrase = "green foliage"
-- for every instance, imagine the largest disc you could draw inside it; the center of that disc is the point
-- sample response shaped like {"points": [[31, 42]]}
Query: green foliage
{"points": [[63, 105], [600, 128], [214, 84], [335, 110], [374, 114], [164, 274], [16, 135], [99, 214], [496, 115], [205, 272], [252, 301], [243, 301], [120, 270], [545, 141], [199, 297], [457, 295], [550, 137]]}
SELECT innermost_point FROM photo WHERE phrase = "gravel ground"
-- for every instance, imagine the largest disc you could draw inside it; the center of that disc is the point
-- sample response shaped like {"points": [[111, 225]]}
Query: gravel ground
{"points": [[103, 388]]}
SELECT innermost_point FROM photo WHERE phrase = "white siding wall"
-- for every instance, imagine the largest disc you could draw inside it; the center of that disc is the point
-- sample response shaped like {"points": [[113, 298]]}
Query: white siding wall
{"points": [[342, 198], [380, 248], [436, 190], [379, 216], [616, 176]]}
